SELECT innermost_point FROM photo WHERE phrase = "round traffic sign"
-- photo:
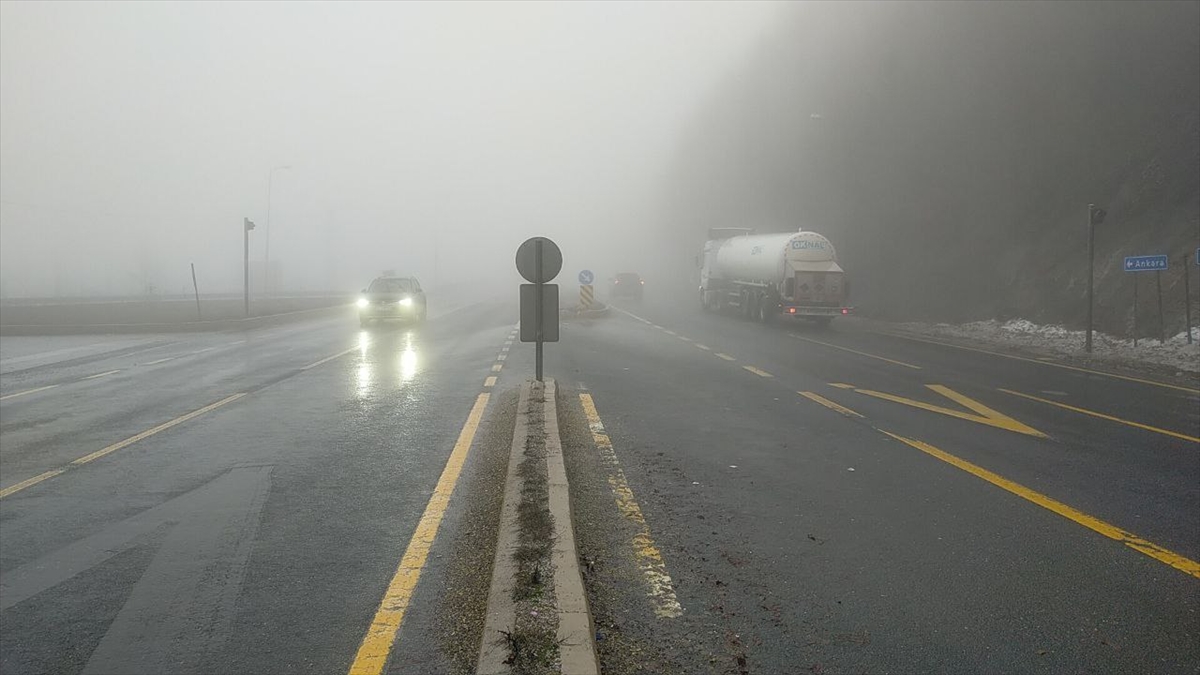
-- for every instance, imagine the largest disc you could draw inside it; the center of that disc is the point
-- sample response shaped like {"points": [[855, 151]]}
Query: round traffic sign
{"points": [[539, 260], [586, 277]]}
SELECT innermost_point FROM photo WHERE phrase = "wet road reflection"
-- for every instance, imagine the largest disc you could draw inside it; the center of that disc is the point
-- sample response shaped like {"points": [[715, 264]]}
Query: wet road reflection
{"points": [[408, 359], [387, 358]]}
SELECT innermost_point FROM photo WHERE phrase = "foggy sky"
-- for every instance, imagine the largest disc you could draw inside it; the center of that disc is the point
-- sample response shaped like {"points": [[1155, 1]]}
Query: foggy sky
{"points": [[134, 137]]}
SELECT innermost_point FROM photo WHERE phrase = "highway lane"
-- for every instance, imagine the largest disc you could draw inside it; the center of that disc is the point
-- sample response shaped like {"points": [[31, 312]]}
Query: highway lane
{"points": [[1145, 471], [799, 537], [737, 511], [258, 536]]}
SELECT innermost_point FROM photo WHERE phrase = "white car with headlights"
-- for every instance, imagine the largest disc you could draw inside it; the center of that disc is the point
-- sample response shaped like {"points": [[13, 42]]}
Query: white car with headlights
{"points": [[392, 298]]}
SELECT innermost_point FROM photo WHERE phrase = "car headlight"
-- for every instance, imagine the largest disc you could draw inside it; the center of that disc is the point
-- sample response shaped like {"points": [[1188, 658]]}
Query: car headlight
{"points": [[362, 302], [405, 302]]}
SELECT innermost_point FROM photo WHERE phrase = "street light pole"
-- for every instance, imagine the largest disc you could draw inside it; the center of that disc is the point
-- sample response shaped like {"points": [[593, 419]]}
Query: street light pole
{"points": [[247, 225], [267, 254], [1095, 217], [1091, 275]]}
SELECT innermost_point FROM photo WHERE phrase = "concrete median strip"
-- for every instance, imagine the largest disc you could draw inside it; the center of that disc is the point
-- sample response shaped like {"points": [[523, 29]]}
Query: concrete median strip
{"points": [[507, 637]]}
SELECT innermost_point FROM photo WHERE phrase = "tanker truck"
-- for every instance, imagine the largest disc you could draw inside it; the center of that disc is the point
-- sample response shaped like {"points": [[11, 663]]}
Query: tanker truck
{"points": [[764, 276]]}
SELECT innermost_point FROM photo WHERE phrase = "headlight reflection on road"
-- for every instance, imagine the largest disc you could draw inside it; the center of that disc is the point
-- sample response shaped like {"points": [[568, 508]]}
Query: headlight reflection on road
{"points": [[364, 378], [408, 359], [364, 368]]}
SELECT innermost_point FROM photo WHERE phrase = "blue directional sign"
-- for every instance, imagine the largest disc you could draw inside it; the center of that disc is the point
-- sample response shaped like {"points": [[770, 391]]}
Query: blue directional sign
{"points": [[586, 277], [1145, 263]]}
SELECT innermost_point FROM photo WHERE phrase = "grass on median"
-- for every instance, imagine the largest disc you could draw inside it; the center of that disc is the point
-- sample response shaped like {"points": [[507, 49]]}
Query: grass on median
{"points": [[532, 643]]}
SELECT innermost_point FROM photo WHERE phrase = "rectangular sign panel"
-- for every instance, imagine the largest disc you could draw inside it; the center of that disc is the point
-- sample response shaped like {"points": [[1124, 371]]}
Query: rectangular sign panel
{"points": [[529, 301], [1145, 263]]}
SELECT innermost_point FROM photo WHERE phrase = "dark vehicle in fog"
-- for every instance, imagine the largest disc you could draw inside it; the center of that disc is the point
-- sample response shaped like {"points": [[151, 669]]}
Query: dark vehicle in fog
{"points": [[392, 298], [627, 285]]}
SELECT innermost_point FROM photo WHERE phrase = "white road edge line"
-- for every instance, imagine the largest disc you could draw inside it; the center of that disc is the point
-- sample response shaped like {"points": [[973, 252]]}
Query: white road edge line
{"points": [[27, 391], [104, 374]]}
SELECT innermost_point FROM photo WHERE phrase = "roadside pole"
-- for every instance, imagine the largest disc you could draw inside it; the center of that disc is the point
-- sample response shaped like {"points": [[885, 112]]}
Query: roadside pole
{"points": [[1095, 217], [537, 263], [1187, 297], [1162, 329], [1135, 311], [247, 225], [196, 290]]}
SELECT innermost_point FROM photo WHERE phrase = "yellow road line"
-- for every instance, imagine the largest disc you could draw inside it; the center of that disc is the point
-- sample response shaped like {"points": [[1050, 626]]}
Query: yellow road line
{"points": [[504, 348], [685, 339], [29, 482], [1133, 541], [756, 371], [1102, 416], [27, 391], [12, 489], [841, 385], [697, 345], [727, 357], [490, 381], [327, 359], [855, 351], [984, 414], [1044, 363], [650, 560], [377, 644], [150, 432], [502, 357], [496, 367], [837, 407], [104, 374], [669, 331]]}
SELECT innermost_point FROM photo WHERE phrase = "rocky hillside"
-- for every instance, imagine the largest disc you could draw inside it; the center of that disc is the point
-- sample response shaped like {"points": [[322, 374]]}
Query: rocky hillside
{"points": [[950, 151]]}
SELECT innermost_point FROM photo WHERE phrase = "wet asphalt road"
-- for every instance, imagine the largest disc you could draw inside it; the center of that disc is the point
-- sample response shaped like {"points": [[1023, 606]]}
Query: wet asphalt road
{"points": [[804, 539], [797, 535], [258, 536]]}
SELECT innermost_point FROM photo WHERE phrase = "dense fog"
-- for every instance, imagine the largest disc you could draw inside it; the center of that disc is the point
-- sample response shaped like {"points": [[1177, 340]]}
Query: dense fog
{"points": [[949, 150], [422, 138]]}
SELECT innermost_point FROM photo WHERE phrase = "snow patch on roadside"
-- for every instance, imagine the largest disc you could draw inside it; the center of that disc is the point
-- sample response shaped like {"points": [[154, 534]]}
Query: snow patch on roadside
{"points": [[1174, 352]]}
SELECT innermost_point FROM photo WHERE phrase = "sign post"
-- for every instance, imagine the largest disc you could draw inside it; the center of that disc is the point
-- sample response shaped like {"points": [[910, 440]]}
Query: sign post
{"points": [[1148, 263], [1162, 329], [1187, 297], [539, 260], [1095, 217], [196, 290], [1135, 312], [247, 225]]}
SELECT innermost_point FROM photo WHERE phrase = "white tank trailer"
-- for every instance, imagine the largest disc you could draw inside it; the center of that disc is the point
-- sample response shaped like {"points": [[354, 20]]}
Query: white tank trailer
{"points": [[765, 276]]}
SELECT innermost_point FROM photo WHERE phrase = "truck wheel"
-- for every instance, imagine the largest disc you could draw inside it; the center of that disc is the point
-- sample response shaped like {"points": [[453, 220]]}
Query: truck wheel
{"points": [[747, 306], [765, 313]]}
